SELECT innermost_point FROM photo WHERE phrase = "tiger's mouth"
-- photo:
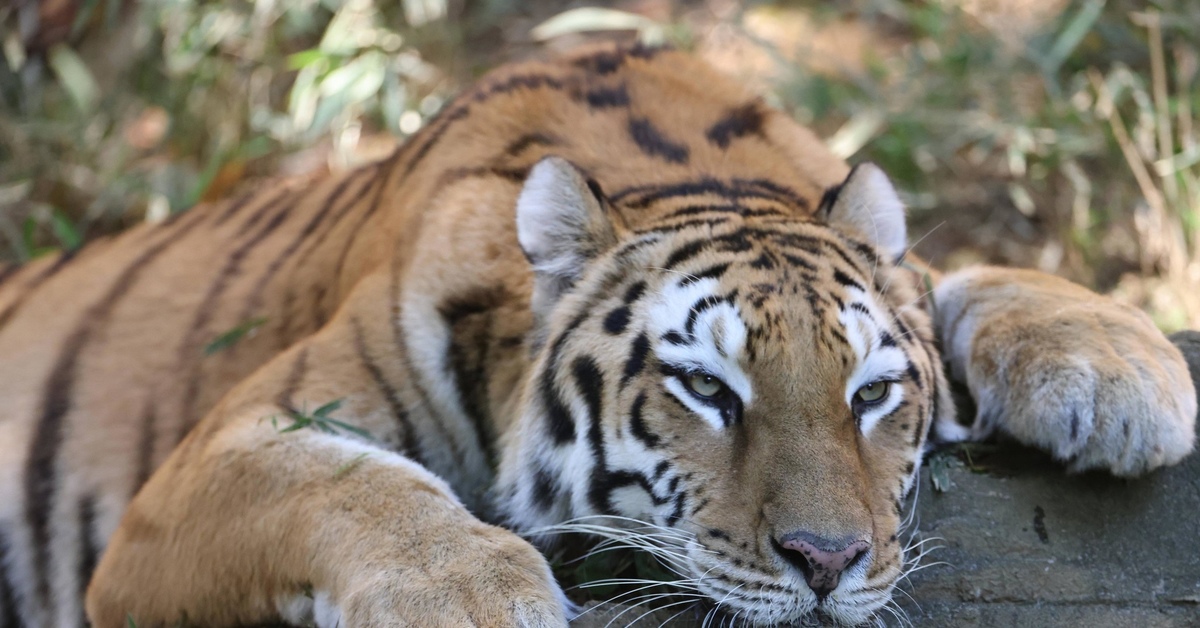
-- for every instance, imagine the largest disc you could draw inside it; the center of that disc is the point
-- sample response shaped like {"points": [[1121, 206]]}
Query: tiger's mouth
{"points": [[744, 596], [716, 586]]}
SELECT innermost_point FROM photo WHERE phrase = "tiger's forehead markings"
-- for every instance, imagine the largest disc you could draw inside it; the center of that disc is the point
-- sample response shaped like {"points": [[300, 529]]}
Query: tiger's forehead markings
{"points": [[698, 329], [740, 122], [733, 190]]}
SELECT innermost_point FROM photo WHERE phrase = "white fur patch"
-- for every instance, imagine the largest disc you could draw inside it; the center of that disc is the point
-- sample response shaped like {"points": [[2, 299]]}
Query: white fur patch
{"points": [[714, 346], [303, 610], [874, 362]]}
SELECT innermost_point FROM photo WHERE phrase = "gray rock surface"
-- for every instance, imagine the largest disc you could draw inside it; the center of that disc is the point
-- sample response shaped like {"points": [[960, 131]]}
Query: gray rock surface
{"points": [[1023, 543]]}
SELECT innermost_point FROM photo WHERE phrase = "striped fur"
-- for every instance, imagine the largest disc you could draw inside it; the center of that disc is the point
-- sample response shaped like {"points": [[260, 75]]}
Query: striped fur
{"points": [[524, 368]]}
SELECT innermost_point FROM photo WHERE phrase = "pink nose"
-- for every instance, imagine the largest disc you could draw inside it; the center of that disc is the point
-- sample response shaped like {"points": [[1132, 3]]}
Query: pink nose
{"points": [[821, 560]]}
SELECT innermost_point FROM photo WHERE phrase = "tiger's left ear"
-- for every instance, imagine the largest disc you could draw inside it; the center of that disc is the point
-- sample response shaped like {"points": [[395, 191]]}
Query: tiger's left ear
{"points": [[867, 202], [561, 225]]}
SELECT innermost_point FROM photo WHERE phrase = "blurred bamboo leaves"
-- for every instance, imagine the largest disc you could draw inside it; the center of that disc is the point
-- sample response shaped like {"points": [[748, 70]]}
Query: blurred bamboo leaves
{"points": [[230, 89]]}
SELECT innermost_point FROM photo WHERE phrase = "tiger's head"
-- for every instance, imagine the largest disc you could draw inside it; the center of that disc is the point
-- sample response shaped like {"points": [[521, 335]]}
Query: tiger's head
{"points": [[748, 386]]}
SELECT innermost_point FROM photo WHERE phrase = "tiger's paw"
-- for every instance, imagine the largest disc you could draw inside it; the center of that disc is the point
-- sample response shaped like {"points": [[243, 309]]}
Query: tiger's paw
{"points": [[1062, 368], [490, 578]]}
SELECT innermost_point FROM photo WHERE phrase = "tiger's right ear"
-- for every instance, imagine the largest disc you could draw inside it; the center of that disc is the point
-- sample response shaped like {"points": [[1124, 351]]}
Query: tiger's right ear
{"points": [[561, 226]]}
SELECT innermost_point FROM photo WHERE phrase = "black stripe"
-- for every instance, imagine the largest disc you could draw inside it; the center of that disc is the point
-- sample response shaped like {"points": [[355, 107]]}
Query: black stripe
{"points": [[712, 272], [258, 294], [41, 473], [455, 175], [9, 618], [408, 437], [607, 97], [671, 227], [604, 62], [545, 488], [267, 206], [145, 465], [654, 143], [384, 172], [675, 338], [635, 292], [31, 285], [702, 305], [734, 190], [559, 422], [232, 207], [677, 513], [637, 358], [189, 350], [617, 320], [637, 423], [410, 371], [89, 554], [461, 108], [519, 145], [609, 61], [685, 253], [742, 121], [434, 132], [914, 374], [796, 260], [845, 280], [589, 381], [470, 344]]}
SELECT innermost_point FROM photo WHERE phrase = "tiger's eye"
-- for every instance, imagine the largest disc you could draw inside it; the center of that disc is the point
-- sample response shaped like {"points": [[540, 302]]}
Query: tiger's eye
{"points": [[705, 385], [872, 392]]}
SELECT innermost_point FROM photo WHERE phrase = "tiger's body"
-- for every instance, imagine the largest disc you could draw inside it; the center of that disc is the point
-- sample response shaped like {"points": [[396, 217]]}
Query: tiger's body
{"points": [[672, 237]]}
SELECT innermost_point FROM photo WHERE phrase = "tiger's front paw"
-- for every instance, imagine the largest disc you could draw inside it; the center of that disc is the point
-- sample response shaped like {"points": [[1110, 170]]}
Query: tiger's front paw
{"points": [[486, 577], [1060, 367]]}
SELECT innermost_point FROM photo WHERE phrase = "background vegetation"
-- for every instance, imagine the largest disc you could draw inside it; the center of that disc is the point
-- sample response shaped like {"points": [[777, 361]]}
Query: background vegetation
{"points": [[1056, 134]]}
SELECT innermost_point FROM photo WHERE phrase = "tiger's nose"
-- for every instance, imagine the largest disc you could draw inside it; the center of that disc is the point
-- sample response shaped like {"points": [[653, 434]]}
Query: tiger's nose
{"points": [[820, 559]]}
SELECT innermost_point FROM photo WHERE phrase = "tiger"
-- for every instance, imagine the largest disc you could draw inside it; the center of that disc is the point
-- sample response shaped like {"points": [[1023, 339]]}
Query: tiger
{"points": [[611, 290]]}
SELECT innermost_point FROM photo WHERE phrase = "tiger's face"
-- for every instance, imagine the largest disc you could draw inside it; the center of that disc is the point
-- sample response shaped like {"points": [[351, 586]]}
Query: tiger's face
{"points": [[750, 392]]}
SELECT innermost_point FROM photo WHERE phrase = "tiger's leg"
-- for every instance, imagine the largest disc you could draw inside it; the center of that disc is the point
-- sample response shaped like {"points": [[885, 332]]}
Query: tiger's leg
{"points": [[1065, 369], [248, 522]]}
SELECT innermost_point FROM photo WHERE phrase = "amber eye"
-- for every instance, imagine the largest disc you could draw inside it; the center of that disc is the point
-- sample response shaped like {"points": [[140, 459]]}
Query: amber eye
{"points": [[872, 392], [704, 385]]}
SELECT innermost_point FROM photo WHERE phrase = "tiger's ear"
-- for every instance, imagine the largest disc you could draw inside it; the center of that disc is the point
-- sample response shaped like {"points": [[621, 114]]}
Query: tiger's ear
{"points": [[561, 226], [867, 202]]}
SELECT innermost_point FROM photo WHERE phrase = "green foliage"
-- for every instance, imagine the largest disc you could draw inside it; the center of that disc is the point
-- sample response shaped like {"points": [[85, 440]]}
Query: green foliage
{"points": [[231, 337], [321, 421], [235, 86], [349, 466]]}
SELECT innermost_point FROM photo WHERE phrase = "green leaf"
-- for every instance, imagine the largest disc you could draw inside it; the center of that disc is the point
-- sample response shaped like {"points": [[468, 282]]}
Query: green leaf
{"points": [[75, 77], [305, 58], [66, 233], [323, 411], [351, 428], [1076, 29], [231, 337], [129, 623], [349, 465]]}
